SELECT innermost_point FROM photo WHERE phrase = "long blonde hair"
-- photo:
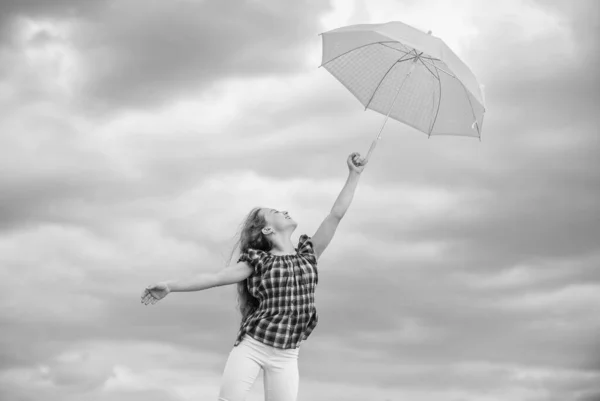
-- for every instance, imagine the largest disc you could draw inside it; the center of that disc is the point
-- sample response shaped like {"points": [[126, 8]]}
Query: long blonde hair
{"points": [[250, 236]]}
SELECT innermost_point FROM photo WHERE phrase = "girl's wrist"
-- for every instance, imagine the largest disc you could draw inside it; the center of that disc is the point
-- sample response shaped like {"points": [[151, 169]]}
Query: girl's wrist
{"points": [[168, 285], [353, 173]]}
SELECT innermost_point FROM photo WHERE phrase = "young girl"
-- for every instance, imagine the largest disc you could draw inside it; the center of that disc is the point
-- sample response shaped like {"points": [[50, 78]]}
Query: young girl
{"points": [[276, 284]]}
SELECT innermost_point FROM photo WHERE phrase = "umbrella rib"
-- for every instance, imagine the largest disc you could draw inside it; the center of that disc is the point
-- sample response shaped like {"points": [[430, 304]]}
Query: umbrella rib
{"points": [[356, 48], [438, 105], [393, 48], [472, 111], [385, 75], [440, 86], [431, 58], [441, 69], [428, 69]]}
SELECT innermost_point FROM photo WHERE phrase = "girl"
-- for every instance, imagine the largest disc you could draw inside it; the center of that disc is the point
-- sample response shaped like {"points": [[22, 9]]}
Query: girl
{"points": [[276, 284]]}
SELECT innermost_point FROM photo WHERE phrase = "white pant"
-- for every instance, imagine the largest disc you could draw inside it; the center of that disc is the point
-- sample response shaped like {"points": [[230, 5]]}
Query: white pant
{"points": [[244, 363]]}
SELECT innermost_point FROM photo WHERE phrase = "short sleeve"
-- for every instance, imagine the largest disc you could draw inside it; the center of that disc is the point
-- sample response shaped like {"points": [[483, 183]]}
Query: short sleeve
{"points": [[305, 249], [254, 257]]}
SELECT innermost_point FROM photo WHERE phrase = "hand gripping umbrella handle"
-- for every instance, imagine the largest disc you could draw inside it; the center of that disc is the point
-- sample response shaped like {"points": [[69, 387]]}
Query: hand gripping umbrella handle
{"points": [[412, 67]]}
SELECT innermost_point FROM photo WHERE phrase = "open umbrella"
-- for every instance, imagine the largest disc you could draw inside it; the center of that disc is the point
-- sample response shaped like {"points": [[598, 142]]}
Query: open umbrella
{"points": [[408, 75]]}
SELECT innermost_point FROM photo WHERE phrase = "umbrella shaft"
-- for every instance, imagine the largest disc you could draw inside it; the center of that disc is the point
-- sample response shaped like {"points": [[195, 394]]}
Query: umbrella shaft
{"points": [[412, 67]]}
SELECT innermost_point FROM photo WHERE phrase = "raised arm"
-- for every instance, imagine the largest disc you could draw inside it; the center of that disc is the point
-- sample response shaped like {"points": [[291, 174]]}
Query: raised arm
{"points": [[203, 281], [326, 230]]}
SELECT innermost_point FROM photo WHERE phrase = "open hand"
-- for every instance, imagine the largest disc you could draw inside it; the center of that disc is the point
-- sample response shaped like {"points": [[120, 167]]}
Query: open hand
{"points": [[154, 293], [356, 163]]}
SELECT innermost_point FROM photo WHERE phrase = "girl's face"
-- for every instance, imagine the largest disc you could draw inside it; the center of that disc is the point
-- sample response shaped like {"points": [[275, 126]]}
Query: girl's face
{"points": [[279, 220]]}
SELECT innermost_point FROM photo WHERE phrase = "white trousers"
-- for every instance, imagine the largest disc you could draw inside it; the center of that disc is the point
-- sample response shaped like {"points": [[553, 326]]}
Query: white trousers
{"points": [[280, 368]]}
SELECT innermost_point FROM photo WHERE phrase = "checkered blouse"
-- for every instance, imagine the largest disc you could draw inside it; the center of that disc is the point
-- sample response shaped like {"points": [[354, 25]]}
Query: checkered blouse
{"points": [[285, 286]]}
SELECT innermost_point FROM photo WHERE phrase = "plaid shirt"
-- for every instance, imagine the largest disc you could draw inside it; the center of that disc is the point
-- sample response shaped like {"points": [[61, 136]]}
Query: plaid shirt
{"points": [[285, 287]]}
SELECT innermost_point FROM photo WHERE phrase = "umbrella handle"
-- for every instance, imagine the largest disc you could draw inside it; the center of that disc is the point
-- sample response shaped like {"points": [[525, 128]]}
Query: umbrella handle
{"points": [[374, 143]]}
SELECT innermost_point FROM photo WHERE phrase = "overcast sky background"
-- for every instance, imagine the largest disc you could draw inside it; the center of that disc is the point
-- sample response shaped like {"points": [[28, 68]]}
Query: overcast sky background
{"points": [[136, 135]]}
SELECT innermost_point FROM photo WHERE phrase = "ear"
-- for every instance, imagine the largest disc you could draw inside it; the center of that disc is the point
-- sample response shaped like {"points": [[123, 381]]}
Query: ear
{"points": [[267, 230]]}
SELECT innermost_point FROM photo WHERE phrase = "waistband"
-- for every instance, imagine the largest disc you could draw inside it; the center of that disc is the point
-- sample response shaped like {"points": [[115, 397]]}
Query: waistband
{"points": [[268, 348]]}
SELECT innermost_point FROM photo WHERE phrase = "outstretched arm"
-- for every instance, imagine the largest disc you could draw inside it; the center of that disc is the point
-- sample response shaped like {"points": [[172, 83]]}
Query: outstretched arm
{"points": [[230, 275], [326, 230]]}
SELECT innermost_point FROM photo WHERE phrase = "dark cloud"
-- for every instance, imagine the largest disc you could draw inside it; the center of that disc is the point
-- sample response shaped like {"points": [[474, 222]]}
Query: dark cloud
{"points": [[448, 313], [60, 9], [589, 396], [142, 53], [584, 18], [546, 82]]}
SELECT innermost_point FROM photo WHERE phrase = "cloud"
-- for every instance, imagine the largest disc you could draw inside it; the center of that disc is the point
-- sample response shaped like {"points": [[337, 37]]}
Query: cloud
{"points": [[98, 370], [141, 54]]}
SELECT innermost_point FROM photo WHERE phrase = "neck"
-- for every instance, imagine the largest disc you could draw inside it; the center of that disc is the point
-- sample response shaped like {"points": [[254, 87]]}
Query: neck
{"points": [[282, 244]]}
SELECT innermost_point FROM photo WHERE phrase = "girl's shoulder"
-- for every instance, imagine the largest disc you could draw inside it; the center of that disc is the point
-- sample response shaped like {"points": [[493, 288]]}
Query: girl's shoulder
{"points": [[304, 241], [254, 257], [305, 248]]}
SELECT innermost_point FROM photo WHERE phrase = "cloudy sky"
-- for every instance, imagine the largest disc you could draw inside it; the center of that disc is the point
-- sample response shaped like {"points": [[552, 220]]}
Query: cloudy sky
{"points": [[135, 135]]}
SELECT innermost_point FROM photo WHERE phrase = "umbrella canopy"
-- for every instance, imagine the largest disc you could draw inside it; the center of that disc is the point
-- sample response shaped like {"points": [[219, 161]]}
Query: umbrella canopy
{"points": [[408, 75]]}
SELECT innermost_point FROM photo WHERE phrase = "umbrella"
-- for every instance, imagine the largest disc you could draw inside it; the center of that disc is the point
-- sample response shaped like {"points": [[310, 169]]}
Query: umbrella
{"points": [[408, 75]]}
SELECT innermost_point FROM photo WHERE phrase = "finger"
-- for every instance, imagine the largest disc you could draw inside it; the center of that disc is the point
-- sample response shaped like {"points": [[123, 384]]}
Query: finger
{"points": [[147, 298], [153, 301]]}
